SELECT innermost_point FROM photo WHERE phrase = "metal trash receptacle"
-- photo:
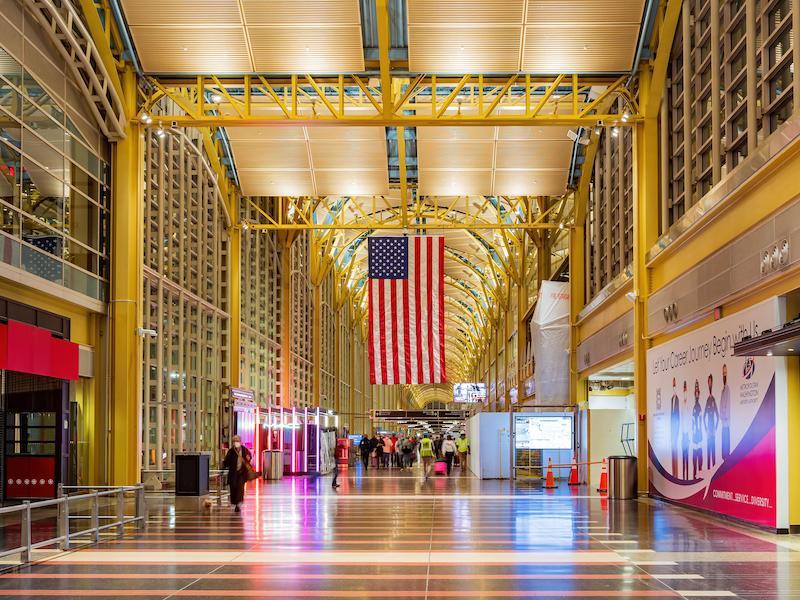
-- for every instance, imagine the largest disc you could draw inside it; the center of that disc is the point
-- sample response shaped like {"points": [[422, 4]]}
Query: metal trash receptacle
{"points": [[622, 478], [272, 464]]}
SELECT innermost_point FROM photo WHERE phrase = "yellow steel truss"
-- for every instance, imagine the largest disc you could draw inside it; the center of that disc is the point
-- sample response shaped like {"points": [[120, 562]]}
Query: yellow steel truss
{"points": [[425, 100], [427, 213]]}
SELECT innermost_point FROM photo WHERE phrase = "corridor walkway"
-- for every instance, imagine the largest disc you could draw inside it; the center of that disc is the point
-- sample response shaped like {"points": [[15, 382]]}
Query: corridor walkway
{"points": [[390, 536]]}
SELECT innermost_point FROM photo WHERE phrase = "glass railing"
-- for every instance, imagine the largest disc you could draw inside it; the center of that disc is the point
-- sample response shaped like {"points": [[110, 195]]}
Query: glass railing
{"points": [[42, 264]]}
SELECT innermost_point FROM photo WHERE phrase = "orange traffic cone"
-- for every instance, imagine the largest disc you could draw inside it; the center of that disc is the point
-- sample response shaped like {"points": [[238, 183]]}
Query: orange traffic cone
{"points": [[550, 481], [603, 489], [573, 473]]}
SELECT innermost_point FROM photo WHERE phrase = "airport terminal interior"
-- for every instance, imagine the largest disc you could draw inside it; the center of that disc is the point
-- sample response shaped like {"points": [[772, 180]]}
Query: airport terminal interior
{"points": [[399, 299]]}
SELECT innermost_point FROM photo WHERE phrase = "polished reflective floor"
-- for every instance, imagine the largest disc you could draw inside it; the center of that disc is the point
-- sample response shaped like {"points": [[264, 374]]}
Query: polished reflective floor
{"points": [[391, 535]]}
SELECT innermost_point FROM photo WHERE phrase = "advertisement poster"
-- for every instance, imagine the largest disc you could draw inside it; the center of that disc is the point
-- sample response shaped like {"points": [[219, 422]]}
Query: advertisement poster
{"points": [[711, 415], [469, 393]]}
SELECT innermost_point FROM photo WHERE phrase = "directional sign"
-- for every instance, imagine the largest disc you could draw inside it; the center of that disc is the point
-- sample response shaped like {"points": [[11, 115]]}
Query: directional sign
{"points": [[420, 415]]}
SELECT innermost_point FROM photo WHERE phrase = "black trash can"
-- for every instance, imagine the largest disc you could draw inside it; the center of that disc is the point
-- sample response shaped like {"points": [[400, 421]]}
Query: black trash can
{"points": [[191, 474], [623, 478]]}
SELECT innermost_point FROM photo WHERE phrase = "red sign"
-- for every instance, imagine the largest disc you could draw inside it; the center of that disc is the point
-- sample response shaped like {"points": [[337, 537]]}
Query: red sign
{"points": [[30, 477], [28, 349]]}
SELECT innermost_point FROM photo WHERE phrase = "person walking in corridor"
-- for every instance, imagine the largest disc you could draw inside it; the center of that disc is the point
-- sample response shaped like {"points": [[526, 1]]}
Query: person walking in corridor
{"points": [[725, 413], [365, 447], [426, 454], [462, 445], [408, 449], [236, 462], [449, 450], [377, 445], [711, 422], [697, 432]]}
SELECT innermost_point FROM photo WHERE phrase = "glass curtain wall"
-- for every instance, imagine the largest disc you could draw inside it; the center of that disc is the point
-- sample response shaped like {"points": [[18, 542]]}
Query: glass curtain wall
{"points": [[54, 189], [185, 291], [260, 352]]}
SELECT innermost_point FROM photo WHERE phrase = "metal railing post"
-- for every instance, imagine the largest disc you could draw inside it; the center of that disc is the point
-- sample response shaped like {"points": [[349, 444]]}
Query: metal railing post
{"points": [[219, 489], [96, 516], [25, 533], [63, 518], [121, 512], [141, 507]]}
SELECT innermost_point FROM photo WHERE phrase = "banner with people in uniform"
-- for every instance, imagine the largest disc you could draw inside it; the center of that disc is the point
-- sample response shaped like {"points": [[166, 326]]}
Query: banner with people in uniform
{"points": [[711, 419]]}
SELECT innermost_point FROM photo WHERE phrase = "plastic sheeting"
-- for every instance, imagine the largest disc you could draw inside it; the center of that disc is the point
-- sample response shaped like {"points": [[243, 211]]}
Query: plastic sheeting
{"points": [[550, 337]]}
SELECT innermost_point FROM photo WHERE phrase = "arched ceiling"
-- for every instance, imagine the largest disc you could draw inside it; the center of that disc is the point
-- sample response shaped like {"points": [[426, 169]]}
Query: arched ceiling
{"points": [[457, 117]]}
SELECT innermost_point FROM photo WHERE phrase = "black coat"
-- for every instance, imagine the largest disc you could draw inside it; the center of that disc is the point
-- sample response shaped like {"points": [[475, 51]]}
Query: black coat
{"points": [[230, 464]]}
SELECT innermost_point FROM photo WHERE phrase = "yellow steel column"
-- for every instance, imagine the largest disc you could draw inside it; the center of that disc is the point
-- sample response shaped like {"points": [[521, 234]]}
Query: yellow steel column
{"points": [[384, 44], [352, 405], [286, 323], [645, 219], [126, 297], [337, 359], [645, 211], [316, 344], [522, 308], [235, 295]]}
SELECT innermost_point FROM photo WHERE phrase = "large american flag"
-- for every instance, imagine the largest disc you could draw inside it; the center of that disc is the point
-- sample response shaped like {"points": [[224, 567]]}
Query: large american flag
{"points": [[406, 309]]}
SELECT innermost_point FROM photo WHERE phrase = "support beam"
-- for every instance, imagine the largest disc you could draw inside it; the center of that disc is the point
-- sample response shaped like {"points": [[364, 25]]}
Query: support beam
{"points": [[235, 300], [286, 322], [316, 344], [401, 153], [384, 43], [645, 223], [127, 257]]}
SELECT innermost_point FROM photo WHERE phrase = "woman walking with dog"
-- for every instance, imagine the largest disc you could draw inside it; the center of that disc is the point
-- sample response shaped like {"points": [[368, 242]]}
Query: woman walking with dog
{"points": [[240, 471]]}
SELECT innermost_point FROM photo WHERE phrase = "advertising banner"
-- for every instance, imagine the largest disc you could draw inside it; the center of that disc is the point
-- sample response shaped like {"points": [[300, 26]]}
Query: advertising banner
{"points": [[711, 433], [550, 338]]}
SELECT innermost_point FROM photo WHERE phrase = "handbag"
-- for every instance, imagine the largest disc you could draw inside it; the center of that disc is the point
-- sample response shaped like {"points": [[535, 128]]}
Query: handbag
{"points": [[249, 472]]}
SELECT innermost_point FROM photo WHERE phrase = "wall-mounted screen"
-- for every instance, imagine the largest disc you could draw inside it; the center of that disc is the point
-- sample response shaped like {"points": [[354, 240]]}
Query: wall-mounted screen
{"points": [[538, 432], [469, 393]]}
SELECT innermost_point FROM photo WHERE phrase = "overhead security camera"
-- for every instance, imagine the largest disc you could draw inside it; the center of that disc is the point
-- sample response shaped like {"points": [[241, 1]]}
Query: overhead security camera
{"points": [[146, 332], [582, 140]]}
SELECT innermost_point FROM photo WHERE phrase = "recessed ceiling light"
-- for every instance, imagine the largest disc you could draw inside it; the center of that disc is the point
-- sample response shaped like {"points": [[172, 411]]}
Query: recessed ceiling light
{"points": [[185, 49], [769, 353], [791, 349]]}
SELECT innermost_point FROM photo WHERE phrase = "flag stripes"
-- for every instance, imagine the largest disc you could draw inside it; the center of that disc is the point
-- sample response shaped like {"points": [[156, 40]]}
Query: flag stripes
{"points": [[406, 310]]}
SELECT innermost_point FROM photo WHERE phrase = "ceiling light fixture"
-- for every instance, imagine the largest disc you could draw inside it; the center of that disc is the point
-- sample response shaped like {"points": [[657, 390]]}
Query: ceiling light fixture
{"points": [[146, 119], [615, 131], [216, 98], [625, 116], [160, 131]]}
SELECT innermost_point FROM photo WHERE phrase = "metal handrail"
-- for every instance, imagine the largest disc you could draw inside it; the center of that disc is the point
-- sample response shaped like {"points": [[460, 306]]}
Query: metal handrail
{"points": [[62, 501]]}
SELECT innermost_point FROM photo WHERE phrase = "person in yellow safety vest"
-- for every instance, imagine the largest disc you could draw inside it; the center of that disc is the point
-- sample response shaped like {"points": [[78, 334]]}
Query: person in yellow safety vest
{"points": [[462, 445], [426, 453]]}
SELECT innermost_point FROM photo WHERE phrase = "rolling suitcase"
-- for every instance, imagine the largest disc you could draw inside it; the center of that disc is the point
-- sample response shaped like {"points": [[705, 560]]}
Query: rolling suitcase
{"points": [[440, 467]]}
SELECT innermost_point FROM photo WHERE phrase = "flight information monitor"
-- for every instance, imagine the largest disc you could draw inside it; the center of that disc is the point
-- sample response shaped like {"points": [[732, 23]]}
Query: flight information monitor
{"points": [[535, 432]]}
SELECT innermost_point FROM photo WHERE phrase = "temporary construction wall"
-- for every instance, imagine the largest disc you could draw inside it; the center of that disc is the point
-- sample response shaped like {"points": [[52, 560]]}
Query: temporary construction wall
{"points": [[490, 446], [550, 336]]}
